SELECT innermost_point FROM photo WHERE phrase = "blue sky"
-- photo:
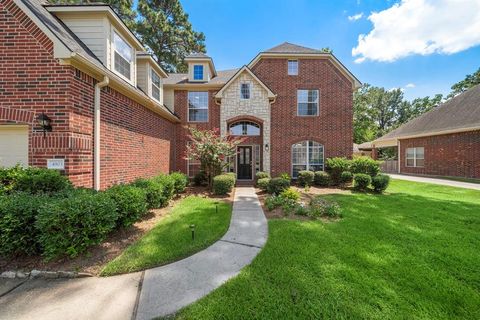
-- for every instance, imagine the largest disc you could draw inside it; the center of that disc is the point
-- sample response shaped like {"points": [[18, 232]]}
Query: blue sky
{"points": [[401, 48]]}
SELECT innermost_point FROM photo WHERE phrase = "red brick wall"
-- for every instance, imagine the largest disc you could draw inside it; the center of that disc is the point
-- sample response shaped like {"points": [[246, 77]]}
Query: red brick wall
{"points": [[456, 155], [334, 125]]}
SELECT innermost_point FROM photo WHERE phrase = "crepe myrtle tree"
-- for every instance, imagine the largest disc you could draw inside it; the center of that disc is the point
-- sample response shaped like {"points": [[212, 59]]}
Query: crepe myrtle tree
{"points": [[212, 150]]}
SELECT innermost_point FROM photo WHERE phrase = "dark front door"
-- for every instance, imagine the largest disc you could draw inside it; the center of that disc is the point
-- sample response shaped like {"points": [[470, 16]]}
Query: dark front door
{"points": [[244, 163]]}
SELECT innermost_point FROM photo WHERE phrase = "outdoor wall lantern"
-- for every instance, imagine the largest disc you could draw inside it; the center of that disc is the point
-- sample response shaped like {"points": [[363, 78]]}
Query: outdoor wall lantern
{"points": [[45, 123], [267, 147]]}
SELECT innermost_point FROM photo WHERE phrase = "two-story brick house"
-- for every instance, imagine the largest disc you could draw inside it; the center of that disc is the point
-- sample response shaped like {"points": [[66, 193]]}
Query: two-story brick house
{"points": [[79, 91]]}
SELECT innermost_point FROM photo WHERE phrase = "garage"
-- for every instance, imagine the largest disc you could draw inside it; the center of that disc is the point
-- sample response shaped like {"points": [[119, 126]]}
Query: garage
{"points": [[13, 145]]}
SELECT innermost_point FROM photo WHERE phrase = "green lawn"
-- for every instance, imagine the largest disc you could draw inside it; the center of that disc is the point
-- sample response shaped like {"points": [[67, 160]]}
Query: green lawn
{"points": [[411, 254], [171, 239]]}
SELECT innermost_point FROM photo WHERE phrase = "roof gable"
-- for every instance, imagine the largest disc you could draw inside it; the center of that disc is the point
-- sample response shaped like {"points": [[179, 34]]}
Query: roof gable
{"points": [[287, 47], [270, 94]]}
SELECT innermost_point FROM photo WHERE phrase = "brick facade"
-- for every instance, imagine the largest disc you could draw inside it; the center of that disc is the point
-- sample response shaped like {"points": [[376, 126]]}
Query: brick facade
{"points": [[456, 155], [135, 141]]}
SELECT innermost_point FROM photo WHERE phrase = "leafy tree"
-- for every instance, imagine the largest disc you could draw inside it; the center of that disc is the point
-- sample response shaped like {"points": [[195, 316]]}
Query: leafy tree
{"points": [[417, 107], [462, 86], [212, 150], [164, 28]]}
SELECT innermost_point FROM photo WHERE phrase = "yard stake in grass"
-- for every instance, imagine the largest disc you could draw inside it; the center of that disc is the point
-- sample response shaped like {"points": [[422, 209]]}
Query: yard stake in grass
{"points": [[192, 227]]}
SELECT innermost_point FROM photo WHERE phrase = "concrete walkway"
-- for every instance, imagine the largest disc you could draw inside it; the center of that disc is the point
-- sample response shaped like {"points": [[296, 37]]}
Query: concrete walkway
{"points": [[164, 290], [444, 182]]}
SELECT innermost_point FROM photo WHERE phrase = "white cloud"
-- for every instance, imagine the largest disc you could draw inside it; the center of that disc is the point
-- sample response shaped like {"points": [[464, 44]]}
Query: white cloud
{"points": [[420, 27], [355, 17], [410, 85]]}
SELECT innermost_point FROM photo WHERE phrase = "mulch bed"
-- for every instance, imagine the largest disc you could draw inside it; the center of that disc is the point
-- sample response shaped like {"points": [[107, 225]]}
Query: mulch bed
{"points": [[97, 256]]}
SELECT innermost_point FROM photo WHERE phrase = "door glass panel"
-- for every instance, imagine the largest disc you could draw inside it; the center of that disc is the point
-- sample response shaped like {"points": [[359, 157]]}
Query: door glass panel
{"points": [[247, 155]]}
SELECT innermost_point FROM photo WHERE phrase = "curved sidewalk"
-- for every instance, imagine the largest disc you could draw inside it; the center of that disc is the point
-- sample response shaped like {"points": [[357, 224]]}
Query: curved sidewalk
{"points": [[164, 289]]}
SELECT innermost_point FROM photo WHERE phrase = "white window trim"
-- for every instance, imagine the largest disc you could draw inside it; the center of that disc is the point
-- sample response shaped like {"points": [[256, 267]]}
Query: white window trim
{"points": [[308, 164], [249, 90], [112, 57], [152, 84], [318, 103], [288, 67], [203, 72], [208, 108], [414, 158]]}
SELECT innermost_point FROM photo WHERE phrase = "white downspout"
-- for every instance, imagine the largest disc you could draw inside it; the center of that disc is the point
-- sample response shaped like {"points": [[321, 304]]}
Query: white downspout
{"points": [[96, 132]]}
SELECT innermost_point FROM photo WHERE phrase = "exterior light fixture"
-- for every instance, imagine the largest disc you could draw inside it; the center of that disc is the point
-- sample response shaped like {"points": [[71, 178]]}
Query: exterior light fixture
{"points": [[267, 147], [45, 123], [192, 227]]}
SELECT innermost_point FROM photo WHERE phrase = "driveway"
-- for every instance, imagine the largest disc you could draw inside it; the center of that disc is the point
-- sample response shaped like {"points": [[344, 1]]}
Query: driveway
{"points": [[444, 182]]}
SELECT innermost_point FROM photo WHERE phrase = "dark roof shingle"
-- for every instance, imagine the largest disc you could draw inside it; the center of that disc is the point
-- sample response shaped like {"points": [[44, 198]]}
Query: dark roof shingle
{"points": [[287, 47]]}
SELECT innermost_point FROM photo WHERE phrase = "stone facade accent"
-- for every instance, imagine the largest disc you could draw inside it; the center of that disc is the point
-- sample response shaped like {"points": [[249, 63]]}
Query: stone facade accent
{"points": [[258, 106]]}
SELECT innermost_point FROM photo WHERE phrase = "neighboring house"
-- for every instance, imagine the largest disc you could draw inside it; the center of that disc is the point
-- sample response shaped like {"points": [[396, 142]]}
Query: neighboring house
{"points": [[363, 149], [114, 114], [444, 141]]}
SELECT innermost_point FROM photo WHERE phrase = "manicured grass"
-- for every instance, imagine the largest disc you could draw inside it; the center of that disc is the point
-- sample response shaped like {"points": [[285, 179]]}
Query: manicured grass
{"points": [[410, 254], [171, 239]]}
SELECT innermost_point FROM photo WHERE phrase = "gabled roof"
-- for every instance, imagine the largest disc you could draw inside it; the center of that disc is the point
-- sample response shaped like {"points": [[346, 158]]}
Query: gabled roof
{"points": [[288, 47], [270, 94], [197, 55], [459, 114], [202, 57]]}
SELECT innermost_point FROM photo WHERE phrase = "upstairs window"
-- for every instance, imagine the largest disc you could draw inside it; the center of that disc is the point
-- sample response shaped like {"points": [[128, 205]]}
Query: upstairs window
{"points": [[415, 157], [198, 106], [122, 56], [155, 86], [307, 102], [198, 72], [245, 91], [245, 128], [292, 67]]}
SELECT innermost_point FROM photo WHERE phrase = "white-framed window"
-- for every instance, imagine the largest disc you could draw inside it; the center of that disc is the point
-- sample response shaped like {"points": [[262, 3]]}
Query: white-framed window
{"points": [[307, 155], [156, 84], [198, 72], [307, 102], [292, 67], [415, 157], [197, 106], [122, 57], [193, 166], [245, 90], [244, 128]]}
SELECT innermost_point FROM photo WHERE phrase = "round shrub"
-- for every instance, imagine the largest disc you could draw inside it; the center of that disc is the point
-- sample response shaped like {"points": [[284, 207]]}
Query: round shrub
{"points": [[305, 178], [41, 180], [200, 179], [262, 175], [335, 167], [291, 194], [168, 187], [277, 185], [380, 182], [365, 165], [223, 184], [322, 179], [320, 207], [285, 176], [154, 192], [130, 201], [18, 212], [180, 181], [361, 181], [68, 226], [346, 177], [263, 183]]}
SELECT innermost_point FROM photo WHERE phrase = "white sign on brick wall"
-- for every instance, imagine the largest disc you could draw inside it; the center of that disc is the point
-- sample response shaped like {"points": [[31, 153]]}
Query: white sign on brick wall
{"points": [[56, 164]]}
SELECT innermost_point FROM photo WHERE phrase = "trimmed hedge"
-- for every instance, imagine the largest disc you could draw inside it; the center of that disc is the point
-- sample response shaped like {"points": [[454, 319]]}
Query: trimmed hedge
{"points": [[335, 167], [322, 179], [154, 192], [263, 183], [223, 184], [305, 178], [41, 180], [72, 224], [365, 165], [346, 177], [262, 175], [168, 184], [180, 181], [277, 185], [361, 181], [9, 177], [380, 182], [130, 201]]}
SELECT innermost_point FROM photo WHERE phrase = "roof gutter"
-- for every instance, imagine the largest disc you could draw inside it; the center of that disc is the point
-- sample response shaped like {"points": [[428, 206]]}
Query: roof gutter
{"points": [[437, 133]]}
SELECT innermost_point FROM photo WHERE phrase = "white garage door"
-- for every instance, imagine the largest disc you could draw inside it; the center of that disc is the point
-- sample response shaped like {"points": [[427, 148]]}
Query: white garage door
{"points": [[13, 145]]}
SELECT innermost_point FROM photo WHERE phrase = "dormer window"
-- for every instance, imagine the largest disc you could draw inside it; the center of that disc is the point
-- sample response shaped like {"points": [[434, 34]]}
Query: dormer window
{"points": [[198, 72], [155, 86], [122, 57], [245, 91]]}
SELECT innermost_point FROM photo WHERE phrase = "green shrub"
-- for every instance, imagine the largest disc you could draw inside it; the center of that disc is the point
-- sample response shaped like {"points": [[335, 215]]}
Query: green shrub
{"points": [[232, 175], [180, 181], [200, 179], [17, 223], [130, 201], [285, 176], [291, 194], [322, 179], [41, 180], [288, 205], [301, 210], [223, 184], [380, 182], [154, 192], [361, 181], [262, 175], [320, 207], [346, 177], [70, 225], [168, 184], [305, 178], [335, 167], [273, 202], [9, 177], [277, 185], [365, 165], [263, 183]]}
